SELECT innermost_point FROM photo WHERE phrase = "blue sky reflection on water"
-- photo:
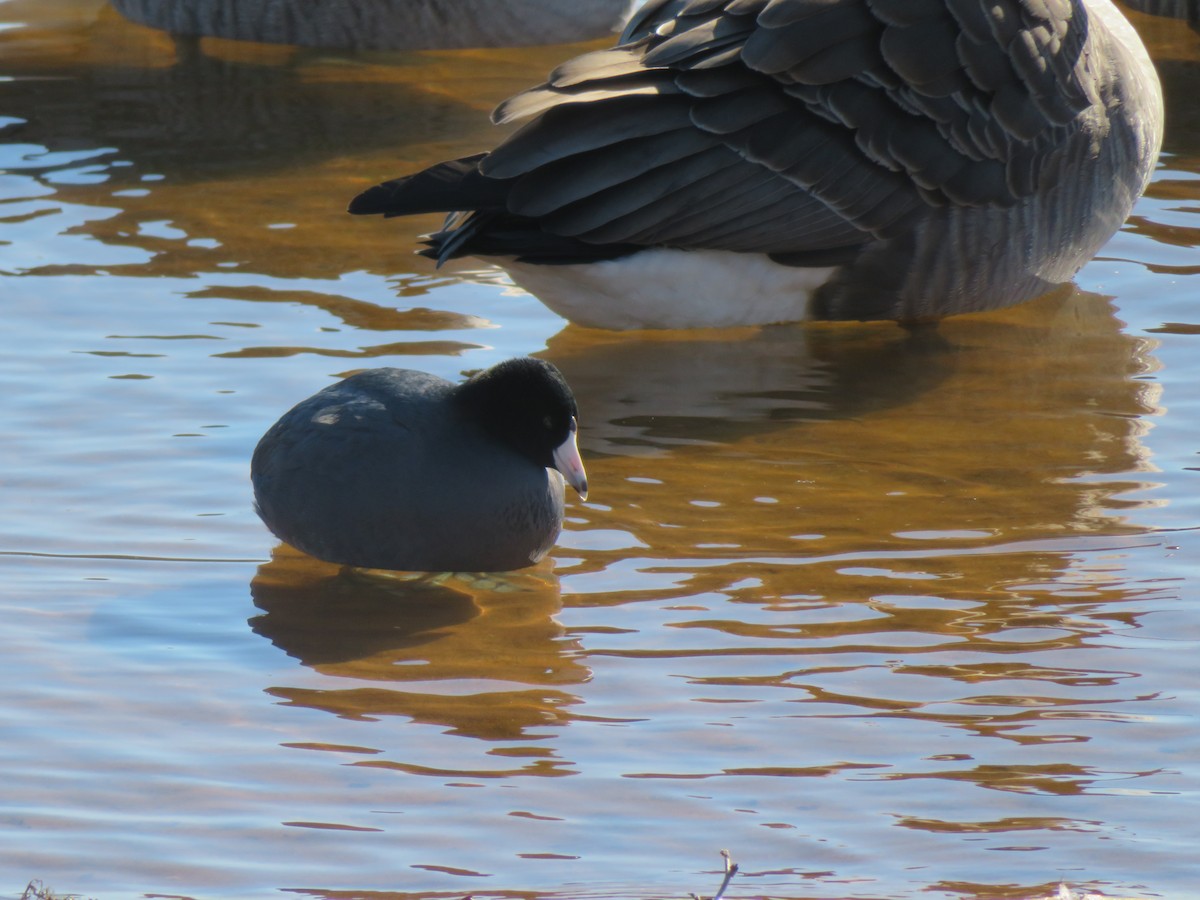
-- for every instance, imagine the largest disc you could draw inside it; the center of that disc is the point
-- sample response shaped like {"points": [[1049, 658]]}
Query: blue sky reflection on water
{"points": [[885, 615]]}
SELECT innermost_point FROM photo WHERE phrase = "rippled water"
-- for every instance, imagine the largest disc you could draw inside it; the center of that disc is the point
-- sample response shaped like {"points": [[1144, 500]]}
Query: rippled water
{"points": [[886, 615]]}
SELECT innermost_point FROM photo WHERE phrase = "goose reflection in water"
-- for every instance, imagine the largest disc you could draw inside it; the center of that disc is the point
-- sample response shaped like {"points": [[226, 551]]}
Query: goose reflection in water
{"points": [[859, 435]]}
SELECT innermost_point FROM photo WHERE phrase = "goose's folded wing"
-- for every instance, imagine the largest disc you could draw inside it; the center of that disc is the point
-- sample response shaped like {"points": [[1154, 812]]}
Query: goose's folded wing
{"points": [[785, 126]]}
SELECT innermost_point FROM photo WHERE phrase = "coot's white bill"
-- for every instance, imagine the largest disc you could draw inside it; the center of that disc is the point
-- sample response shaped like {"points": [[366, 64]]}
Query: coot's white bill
{"points": [[568, 462]]}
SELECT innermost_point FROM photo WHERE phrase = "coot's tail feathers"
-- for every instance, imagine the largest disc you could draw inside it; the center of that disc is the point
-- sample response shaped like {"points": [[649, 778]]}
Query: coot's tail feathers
{"points": [[447, 187]]}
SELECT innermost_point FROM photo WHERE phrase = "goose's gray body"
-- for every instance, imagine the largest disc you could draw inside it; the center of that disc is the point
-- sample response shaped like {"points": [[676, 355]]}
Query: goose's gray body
{"points": [[384, 24], [836, 159], [383, 470]]}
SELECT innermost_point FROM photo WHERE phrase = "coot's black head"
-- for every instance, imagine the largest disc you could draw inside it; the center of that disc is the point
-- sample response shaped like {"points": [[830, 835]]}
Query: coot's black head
{"points": [[527, 404]]}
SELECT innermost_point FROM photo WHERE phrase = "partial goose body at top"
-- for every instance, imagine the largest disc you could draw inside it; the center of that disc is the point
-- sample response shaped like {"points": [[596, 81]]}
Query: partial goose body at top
{"points": [[735, 162], [384, 24]]}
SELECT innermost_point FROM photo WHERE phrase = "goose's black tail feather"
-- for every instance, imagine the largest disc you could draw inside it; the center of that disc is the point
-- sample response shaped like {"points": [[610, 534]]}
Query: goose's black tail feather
{"points": [[478, 221], [447, 187]]}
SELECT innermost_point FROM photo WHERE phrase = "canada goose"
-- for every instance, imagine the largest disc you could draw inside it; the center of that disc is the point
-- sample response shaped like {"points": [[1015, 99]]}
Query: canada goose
{"points": [[735, 162], [398, 469]]}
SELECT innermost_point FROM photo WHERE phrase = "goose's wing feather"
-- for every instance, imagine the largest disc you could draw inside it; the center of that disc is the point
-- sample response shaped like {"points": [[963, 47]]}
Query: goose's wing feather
{"points": [[843, 119]]}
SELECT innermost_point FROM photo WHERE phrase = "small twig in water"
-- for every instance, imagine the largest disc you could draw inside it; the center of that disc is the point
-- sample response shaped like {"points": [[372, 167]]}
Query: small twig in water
{"points": [[731, 869]]}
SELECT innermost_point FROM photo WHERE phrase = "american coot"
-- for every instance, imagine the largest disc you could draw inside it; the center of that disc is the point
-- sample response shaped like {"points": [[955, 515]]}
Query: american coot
{"points": [[398, 469], [736, 162]]}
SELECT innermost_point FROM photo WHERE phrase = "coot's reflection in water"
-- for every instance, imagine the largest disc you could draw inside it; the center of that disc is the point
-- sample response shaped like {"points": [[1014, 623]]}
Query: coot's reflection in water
{"points": [[487, 631]]}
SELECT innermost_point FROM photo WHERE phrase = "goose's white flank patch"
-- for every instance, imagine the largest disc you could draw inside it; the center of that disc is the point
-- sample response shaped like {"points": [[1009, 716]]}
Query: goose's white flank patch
{"points": [[665, 288]]}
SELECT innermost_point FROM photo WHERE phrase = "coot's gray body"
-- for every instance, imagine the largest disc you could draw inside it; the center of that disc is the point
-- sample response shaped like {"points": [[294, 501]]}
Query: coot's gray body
{"points": [[399, 469]]}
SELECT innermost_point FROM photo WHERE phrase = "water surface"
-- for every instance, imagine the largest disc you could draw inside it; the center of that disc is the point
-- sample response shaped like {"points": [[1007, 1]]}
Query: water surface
{"points": [[886, 614]]}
